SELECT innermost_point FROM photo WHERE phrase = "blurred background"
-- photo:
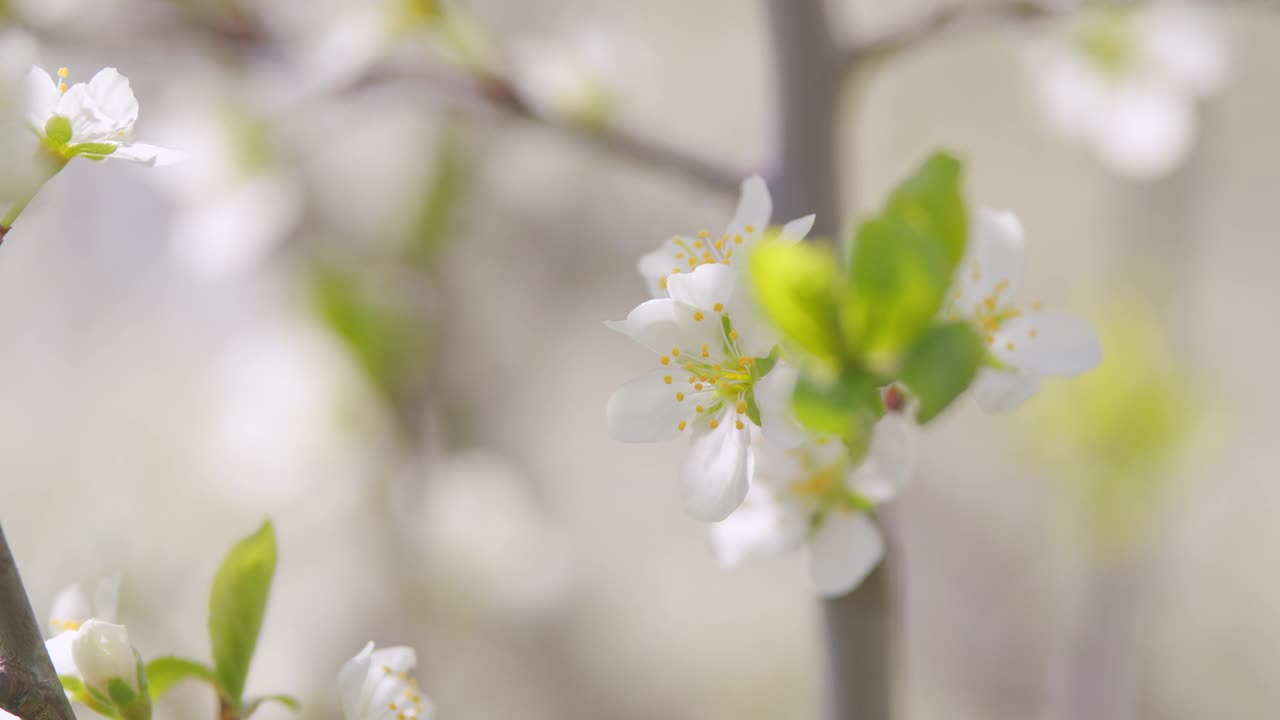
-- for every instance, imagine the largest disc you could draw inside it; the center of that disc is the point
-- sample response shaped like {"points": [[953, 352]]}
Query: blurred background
{"points": [[370, 307]]}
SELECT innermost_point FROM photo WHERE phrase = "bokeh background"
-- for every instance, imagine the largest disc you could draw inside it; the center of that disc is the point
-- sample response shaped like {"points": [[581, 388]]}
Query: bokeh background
{"points": [[374, 314]]}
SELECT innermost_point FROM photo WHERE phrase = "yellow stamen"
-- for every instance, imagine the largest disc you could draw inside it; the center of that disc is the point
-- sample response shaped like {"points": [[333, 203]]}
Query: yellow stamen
{"points": [[719, 307], [697, 316], [667, 379]]}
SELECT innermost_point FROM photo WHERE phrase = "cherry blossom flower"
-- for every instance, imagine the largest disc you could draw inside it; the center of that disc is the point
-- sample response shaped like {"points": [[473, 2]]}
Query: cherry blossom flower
{"points": [[73, 607], [816, 497], [377, 685], [93, 120], [712, 349], [1125, 80], [684, 253], [1024, 342]]}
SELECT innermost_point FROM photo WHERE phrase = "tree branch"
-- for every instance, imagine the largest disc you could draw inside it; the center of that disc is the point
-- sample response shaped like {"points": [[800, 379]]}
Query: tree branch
{"points": [[28, 686], [496, 92], [945, 18]]}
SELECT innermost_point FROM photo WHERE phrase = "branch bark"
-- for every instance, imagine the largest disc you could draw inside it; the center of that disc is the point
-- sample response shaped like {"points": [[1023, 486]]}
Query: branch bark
{"points": [[29, 688], [944, 18]]}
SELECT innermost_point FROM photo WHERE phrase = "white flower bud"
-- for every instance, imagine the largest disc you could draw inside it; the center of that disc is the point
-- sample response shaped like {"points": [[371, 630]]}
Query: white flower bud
{"points": [[102, 653]]}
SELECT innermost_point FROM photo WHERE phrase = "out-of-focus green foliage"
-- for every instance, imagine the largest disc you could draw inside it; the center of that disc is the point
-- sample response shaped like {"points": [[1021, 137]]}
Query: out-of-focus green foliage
{"points": [[857, 329], [237, 604], [165, 672], [440, 198], [1115, 434]]}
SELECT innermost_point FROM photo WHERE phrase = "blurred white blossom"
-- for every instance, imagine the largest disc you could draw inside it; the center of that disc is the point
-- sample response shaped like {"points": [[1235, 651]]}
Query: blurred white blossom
{"points": [[96, 653], [17, 146], [377, 684], [684, 253], [73, 607], [1025, 343], [814, 496], [1125, 81], [570, 77]]}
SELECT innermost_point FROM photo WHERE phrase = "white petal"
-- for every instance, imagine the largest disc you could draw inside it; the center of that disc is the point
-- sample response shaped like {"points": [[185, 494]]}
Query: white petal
{"points": [[713, 480], [111, 93], [59, 649], [655, 266], [846, 547], [102, 653], [352, 679], [755, 207], [1148, 130], [994, 260], [150, 155], [70, 609], [40, 97], [704, 288], [1072, 93], [1048, 343], [886, 470], [1000, 390], [1180, 41], [663, 325], [773, 397], [399, 659], [646, 409], [797, 229], [760, 527], [106, 597]]}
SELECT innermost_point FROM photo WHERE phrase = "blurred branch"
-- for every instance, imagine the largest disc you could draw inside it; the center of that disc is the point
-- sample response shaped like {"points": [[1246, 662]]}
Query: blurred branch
{"points": [[946, 17], [496, 92], [28, 686]]}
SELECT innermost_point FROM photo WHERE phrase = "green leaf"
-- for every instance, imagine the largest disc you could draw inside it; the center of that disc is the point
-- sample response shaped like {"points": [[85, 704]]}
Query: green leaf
{"points": [[932, 202], [58, 130], [96, 151], [384, 341], [120, 692], [71, 684], [900, 279], [443, 189], [288, 701], [796, 287], [941, 365], [165, 672], [847, 408], [237, 603]]}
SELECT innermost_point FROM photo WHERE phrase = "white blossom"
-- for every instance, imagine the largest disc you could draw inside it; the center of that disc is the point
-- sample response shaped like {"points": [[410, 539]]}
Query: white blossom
{"points": [[377, 684], [73, 607], [572, 77], [712, 349], [1024, 343], [94, 120], [1125, 81], [96, 653], [685, 253], [814, 496]]}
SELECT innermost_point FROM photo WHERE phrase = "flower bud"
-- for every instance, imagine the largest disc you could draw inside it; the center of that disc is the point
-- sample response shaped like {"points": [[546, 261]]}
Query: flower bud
{"points": [[102, 654]]}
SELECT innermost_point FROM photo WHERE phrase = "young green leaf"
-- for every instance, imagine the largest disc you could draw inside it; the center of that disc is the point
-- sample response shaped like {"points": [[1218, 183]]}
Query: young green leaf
{"points": [[165, 672], [941, 365], [288, 701], [900, 279], [847, 408], [58, 130], [796, 288], [932, 202], [236, 606]]}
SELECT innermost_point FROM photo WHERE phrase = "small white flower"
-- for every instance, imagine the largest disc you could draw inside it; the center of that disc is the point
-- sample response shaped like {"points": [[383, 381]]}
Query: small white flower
{"points": [[682, 254], [1024, 343], [97, 652], [568, 78], [813, 496], [709, 342], [377, 685], [93, 119], [1125, 81], [73, 606]]}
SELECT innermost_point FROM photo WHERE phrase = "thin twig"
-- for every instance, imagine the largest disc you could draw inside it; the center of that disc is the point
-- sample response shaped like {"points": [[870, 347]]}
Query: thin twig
{"points": [[492, 91], [944, 18], [29, 688]]}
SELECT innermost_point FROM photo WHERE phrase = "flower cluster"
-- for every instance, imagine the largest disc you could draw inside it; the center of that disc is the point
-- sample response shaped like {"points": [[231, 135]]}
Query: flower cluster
{"points": [[793, 379]]}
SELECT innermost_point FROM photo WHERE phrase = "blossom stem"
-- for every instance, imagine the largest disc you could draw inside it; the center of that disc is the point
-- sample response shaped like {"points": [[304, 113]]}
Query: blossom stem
{"points": [[811, 75], [28, 686], [944, 18]]}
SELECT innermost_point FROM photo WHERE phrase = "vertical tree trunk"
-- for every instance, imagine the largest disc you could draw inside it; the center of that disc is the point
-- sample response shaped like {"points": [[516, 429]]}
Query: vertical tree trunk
{"points": [[811, 79]]}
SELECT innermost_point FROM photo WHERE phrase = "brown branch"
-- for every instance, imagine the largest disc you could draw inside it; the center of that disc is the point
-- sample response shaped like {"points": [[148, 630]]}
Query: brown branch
{"points": [[947, 17], [4, 230], [491, 91], [28, 686]]}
